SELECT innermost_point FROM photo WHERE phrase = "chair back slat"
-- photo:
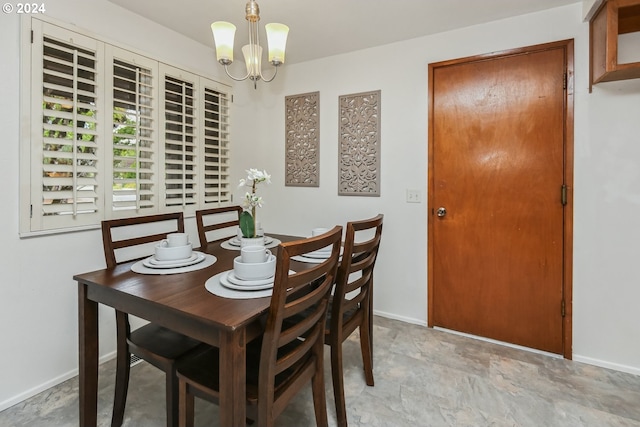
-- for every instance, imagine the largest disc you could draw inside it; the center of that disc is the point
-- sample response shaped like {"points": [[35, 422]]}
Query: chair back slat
{"points": [[217, 223], [137, 235]]}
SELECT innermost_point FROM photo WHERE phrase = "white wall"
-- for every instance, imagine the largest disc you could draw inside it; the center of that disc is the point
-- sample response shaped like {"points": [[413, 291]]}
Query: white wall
{"points": [[607, 171], [38, 297]]}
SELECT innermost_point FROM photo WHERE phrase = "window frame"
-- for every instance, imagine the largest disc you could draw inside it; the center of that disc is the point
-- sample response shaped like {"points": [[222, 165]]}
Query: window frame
{"points": [[32, 221]]}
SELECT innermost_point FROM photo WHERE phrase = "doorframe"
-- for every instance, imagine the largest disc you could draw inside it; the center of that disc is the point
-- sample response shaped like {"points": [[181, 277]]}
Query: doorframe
{"points": [[567, 285]]}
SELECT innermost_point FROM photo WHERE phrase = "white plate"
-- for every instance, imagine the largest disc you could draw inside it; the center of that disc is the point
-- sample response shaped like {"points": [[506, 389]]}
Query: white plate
{"points": [[199, 257], [224, 281], [319, 254], [231, 277], [154, 261], [236, 242], [214, 286]]}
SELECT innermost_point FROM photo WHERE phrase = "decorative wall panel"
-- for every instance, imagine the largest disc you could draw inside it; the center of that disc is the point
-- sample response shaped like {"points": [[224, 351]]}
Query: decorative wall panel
{"points": [[359, 139], [302, 146]]}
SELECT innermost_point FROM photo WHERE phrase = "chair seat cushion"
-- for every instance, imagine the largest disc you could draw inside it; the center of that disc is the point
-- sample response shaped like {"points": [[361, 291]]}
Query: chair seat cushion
{"points": [[162, 341], [202, 367]]}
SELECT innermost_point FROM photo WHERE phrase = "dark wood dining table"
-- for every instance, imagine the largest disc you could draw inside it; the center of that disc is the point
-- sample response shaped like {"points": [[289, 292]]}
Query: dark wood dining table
{"points": [[179, 302]]}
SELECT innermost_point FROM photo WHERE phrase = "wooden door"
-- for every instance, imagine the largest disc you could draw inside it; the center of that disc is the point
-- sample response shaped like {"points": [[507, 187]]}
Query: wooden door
{"points": [[498, 165]]}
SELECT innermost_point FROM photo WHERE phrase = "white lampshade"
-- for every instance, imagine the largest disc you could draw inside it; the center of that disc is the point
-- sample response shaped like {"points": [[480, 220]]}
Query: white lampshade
{"points": [[223, 34], [254, 64], [277, 40]]}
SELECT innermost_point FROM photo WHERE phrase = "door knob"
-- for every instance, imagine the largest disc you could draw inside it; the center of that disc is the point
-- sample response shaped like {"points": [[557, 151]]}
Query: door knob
{"points": [[441, 212]]}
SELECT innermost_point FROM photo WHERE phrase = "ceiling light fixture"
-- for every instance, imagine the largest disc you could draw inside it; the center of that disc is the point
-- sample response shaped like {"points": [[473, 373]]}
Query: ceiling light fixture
{"points": [[224, 32]]}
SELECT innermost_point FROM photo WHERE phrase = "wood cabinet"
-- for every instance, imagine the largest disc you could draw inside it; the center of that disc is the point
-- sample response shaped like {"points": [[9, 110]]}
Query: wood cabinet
{"points": [[613, 18]]}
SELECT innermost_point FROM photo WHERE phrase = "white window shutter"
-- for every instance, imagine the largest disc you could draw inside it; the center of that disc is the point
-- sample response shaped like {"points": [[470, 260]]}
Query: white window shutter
{"points": [[65, 161], [179, 152], [215, 137], [132, 158], [108, 133]]}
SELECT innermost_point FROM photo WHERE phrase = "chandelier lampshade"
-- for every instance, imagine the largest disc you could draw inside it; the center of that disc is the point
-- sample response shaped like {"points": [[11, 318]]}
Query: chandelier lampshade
{"points": [[224, 34]]}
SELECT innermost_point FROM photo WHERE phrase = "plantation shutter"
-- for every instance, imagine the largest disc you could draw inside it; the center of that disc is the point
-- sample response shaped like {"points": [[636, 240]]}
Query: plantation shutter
{"points": [[109, 133], [133, 102], [65, 141], [216, 145], [180, 138]]}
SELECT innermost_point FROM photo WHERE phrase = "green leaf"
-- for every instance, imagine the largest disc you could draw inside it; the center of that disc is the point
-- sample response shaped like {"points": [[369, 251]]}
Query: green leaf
{"points": [[246, 224]]}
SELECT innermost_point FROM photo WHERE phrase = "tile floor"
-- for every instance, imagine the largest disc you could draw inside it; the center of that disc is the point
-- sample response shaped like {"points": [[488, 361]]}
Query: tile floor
{"points": [[424, 377]]}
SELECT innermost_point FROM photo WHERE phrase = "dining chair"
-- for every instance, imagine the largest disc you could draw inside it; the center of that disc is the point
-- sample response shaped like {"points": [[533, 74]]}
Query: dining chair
{"points": [[216, 221], [289, 354], [125, 240], [351, 306]]}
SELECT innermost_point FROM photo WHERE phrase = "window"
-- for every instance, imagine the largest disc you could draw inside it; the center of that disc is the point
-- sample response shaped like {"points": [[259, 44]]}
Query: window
{"points": [[114, 133]]}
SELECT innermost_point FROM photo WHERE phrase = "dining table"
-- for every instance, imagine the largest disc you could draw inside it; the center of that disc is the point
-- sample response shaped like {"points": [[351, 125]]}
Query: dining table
{"points": [[179, 302]]}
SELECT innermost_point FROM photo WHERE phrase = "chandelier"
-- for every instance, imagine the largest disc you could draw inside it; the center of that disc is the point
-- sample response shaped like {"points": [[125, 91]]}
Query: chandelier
{"points": [[224, 32]]}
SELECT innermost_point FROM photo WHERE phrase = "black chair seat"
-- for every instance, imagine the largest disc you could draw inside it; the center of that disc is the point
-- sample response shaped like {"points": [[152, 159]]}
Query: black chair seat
{"points": [[162, 341]]}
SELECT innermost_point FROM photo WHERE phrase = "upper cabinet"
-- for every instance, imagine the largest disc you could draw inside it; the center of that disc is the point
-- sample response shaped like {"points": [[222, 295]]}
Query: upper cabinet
{"points": [[615, 41]]}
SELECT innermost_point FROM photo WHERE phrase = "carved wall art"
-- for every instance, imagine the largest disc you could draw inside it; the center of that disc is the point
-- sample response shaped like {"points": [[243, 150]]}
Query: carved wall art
{"points": [[359, 139], [302, 146]]}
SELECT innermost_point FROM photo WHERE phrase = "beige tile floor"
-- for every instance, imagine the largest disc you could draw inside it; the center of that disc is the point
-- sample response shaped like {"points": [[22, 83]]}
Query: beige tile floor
{"points": [[424, 377]]}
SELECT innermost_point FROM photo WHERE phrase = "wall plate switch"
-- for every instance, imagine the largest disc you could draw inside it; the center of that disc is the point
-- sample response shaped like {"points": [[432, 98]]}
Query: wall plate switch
{"points": [[414, 196]]}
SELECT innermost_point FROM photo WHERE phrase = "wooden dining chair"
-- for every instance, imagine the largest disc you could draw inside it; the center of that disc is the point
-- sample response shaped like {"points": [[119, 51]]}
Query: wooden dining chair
{"points": [[290, 352], [125, 240], [218, 222], [351, 306]]}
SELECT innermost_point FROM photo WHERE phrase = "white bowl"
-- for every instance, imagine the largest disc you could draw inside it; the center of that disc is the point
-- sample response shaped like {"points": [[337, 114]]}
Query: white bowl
{"points": [[171, 253], [254, 270]]}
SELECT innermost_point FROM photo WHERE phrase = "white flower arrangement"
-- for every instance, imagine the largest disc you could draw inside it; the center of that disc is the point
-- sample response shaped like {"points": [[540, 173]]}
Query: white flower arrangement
{"points": [[252, 200]]}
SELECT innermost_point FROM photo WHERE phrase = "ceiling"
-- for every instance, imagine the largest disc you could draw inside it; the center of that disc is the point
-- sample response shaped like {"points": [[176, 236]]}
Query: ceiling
{"points": [[324, 28]]}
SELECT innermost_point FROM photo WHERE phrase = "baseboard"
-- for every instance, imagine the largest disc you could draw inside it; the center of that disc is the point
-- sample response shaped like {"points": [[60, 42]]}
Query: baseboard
{"points": [[503, 343], [604, 364], [51, 383], [401, 318]]}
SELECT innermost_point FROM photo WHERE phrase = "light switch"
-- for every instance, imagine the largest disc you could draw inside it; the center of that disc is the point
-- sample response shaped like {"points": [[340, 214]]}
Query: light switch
{"points": [[414, 196]]}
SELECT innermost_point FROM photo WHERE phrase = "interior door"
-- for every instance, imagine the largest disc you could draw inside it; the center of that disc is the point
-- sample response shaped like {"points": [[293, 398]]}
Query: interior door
{"points": [[497, 181]]}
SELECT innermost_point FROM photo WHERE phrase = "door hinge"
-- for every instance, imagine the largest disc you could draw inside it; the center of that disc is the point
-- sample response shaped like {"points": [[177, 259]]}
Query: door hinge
{"points": [[31, 36], [563, 195], [564, 81], [30, 211], [562, 309]]}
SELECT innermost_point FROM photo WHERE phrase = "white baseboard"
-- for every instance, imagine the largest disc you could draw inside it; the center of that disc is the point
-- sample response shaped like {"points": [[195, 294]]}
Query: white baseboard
{"points": [[604, 364], [46, 385], [506, 344], [401, 318]]}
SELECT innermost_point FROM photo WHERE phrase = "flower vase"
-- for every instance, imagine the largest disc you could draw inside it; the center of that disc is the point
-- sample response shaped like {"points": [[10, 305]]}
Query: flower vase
{"points": [[252, 241]]}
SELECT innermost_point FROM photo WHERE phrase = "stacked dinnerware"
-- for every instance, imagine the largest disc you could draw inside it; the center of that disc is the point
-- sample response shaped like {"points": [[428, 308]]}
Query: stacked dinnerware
{"points": [[254, 263]]}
